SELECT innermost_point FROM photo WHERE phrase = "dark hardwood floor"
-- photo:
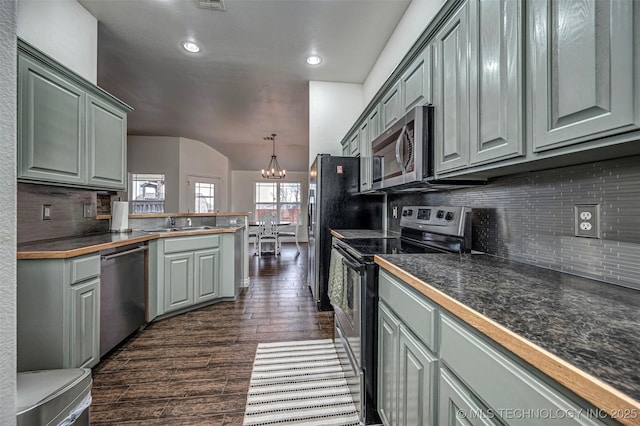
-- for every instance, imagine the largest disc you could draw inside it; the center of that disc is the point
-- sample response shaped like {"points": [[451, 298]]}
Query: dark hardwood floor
{"points": [[194, 368]]}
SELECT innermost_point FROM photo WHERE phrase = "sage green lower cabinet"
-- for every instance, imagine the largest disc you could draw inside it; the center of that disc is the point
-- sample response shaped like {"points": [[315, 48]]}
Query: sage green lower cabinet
{"points": [[458, 406], [58, 305], [194, 270], [207, 275], [434, 369], [178, 281], [416, 381], [407, 368], [85, 326], [388, 336]]}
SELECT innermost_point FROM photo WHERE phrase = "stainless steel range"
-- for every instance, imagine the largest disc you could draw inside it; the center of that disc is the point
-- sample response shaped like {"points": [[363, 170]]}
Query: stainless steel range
{"points": [[424, 229]]}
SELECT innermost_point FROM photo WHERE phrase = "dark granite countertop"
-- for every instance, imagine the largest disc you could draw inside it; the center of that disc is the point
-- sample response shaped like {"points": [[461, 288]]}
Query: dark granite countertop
{"points": [[591, 325], [62, 248], [363, 233]]}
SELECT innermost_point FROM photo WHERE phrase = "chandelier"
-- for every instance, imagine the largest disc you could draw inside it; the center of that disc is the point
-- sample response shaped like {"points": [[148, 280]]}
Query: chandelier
{"points": [[273, 170]]}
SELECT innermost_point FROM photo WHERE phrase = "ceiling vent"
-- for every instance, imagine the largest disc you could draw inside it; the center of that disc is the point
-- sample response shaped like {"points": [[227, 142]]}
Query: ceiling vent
{"points": [[212, 5]]}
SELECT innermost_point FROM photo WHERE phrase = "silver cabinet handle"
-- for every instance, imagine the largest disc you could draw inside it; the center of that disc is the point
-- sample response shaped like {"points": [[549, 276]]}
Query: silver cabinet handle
{"points": [[124, 253]]}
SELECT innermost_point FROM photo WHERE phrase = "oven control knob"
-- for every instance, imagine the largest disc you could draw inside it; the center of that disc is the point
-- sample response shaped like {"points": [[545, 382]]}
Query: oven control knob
{"points": [[440, 214], [449, 216], [405, 212], [410, 212]]}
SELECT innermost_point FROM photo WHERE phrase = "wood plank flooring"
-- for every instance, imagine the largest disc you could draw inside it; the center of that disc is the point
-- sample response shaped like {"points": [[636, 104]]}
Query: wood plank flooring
{"points": [[194, 368]]}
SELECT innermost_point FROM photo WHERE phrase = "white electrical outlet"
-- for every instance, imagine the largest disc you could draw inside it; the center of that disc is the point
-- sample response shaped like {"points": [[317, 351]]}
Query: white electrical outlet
{"points": [[587, 220]]}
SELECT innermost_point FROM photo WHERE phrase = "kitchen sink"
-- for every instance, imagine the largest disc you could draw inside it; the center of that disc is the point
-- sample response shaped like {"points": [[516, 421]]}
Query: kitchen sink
{"points": [[178, 229]]}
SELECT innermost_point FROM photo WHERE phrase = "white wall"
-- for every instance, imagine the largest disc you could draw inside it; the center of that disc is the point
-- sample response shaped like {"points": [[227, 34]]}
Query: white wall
{"points": [[199, 159], [157, 154], [413, 23], [8, 190], [333, 109], [64, 30], [243, 187]]}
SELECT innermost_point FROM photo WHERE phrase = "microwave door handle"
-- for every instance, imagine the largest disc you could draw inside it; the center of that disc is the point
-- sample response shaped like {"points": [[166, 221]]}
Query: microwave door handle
{"points": [[411, 146], [398, 144]]}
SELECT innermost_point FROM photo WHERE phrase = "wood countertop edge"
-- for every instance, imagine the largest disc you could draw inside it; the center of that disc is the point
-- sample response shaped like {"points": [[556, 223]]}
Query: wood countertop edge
{"points": [[600, 394], [336, 234], [65, 254], [151, 216]]}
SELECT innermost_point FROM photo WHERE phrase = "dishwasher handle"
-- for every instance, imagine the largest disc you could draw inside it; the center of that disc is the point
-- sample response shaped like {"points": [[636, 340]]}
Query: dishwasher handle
{"points": [[124, 253]]}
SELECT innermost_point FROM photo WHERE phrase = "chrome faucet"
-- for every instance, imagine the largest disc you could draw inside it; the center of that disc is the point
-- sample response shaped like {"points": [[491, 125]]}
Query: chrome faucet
{"points": [[189, 222], [172, 221]]}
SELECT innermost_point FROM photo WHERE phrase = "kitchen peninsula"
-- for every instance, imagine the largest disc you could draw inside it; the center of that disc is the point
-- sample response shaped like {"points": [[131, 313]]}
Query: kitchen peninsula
{"points": [[60, 285]]}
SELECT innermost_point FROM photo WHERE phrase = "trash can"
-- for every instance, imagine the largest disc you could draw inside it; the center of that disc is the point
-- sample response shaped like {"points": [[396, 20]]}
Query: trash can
{"points": [[54, 397]]}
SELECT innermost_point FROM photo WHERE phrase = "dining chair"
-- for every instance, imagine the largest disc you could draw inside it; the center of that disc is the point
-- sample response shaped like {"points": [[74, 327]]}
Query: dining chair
{"points": [[268, 233], [293, 234], [253, 238]]}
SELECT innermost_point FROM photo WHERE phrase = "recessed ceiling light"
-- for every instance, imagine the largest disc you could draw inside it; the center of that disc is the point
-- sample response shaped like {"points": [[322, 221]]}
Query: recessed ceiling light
{"points": [[190, 46], [314, 59]]}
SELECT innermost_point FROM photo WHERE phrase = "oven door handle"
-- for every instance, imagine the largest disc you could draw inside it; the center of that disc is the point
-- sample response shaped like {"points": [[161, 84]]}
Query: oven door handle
{"points": [[356, 266]]}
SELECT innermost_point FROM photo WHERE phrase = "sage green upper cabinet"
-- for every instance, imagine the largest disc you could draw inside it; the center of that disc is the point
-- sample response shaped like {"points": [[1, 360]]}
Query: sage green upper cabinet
{"points": [[50, 125], [583, 80], [70, 132], [374, 123], [496, 80], [391, 107], [106, 144], [415, 83], [365, 156], [451, 92], [354, 144], [345, 149]]}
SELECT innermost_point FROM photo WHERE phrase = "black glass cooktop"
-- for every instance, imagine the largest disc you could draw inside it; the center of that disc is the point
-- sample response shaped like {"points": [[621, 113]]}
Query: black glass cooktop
{"points": [[368, 247]]}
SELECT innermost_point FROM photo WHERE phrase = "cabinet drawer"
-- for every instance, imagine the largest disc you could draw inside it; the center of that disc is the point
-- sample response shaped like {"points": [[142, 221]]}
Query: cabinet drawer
{"points": [[198, 242], [412, 308], [502, 383], [84, 268]]}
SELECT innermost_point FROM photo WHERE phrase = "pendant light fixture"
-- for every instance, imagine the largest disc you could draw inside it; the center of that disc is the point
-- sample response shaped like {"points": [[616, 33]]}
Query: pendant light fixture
{"points": [[273, 170]]}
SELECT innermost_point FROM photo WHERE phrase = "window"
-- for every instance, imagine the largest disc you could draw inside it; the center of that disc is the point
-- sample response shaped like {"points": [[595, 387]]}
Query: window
{"points": [[146, 193], [205, 197], [281, 199], [203, 194]]}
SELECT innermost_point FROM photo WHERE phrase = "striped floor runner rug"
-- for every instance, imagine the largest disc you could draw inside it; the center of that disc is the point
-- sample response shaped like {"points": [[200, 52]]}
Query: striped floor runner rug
{"points": [[299, 383]]}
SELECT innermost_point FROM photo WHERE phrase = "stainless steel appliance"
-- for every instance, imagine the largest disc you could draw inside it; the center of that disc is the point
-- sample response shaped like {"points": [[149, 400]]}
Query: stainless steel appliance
{"points": [[122, 294], [334, 203], [424, 229], [399, 152]]}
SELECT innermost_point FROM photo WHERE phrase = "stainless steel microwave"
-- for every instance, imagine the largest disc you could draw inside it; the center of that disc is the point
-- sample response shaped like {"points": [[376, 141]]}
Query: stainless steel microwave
{"points": [[403, 154]]}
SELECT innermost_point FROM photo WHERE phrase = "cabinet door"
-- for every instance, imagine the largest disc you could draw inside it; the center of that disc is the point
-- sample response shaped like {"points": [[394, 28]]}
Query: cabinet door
{"points": [[495, 80], [390, 107], [206, 274], [85, 324], [458, 406], [178, 281], [50, 125], [106, 144], [416, 82], [354, 144], [365, 156], [374, 124], [416, 381], [388, 336], [452, 93], [583, 81], [345, 149]]}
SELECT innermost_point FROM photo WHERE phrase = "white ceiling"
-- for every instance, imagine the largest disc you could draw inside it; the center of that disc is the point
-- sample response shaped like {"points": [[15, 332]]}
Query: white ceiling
{"points": [[250, 79]]}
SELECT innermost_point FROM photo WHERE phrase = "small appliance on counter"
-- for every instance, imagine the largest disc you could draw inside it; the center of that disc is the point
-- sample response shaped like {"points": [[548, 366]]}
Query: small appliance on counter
{"points": [[424, 229]]}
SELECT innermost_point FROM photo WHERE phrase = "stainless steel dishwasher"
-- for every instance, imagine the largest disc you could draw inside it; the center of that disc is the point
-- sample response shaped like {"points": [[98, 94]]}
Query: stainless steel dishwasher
{"points": [[122, 294]]}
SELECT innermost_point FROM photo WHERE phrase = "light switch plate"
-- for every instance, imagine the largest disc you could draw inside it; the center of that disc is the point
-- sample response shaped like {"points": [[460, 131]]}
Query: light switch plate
{"points": [[587, 220], [87, 211]]}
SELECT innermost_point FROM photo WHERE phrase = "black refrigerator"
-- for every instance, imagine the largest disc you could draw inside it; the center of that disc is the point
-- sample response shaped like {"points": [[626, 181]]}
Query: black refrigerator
{"points": [[334, 203]]}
